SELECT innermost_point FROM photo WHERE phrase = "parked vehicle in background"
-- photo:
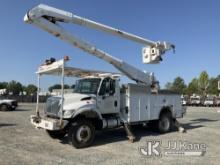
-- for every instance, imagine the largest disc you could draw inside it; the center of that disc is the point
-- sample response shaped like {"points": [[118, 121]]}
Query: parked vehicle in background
{"points": [[185, 100], [7, 104], [210, 101], [195, 100], [217, 102]]}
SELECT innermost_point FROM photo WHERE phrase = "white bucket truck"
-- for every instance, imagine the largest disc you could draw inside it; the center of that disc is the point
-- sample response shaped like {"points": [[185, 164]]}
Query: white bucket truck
{"points": [[99, 101]]}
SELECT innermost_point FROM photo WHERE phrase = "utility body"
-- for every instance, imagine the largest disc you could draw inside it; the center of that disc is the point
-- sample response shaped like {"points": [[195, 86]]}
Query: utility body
{"points": [[99, 101]]}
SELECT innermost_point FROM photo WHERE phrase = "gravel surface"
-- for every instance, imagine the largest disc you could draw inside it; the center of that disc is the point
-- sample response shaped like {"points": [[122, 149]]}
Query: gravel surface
{"points": [[21, 143]]}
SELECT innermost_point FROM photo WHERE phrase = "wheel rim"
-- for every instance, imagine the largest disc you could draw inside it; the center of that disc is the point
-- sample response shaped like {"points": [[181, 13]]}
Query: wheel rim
{"points": [[165, 123], [83, 134]]}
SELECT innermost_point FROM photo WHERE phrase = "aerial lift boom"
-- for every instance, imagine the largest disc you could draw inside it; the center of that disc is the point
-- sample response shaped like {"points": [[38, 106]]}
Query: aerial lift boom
{"points": [[48, 18]]}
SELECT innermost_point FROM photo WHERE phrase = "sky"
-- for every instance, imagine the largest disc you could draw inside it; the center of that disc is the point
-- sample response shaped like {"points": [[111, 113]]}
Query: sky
{"points": [[192, 25]]}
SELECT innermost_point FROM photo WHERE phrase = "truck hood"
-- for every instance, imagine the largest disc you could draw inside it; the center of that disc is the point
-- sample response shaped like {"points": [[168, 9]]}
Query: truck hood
{"points": [[7, 100], [78, 96], [78, 100]]}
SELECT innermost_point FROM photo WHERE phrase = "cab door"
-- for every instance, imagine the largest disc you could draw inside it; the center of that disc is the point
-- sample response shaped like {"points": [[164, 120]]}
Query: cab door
{"points": [[107, 102]]}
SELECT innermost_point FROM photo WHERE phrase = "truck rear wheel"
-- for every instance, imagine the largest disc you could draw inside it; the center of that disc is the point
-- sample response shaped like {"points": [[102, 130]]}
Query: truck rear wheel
{"points": [[165, 123], [81, 133], [56, 134]]}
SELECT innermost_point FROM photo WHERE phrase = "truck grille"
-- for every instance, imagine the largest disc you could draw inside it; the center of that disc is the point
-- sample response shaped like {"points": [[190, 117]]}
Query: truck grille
{"points": [[53, 106]]}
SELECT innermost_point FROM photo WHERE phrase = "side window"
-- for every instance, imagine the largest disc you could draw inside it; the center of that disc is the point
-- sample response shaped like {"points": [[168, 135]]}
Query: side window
{"points": [[105, 88], [112, 87]]}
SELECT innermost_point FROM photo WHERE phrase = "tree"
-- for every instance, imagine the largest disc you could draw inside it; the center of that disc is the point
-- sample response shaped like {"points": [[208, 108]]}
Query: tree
{"points": [[168, 85], [66, 86], [213, 86], [14, 87], [58, 86], [3, 85], [178, 85], [31, 89], [192, 87], [24, 89], [203, 83]]}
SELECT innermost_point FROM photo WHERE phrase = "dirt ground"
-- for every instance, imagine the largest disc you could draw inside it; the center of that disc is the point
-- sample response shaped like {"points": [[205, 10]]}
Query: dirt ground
{"points": [[21, 143]]}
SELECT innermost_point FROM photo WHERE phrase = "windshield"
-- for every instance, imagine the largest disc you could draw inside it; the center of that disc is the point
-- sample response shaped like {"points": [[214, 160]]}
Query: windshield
{"points": [[87, 86]]}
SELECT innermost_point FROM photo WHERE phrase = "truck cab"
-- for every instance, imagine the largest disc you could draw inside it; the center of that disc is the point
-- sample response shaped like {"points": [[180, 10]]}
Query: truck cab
{"points": [[195, 100], [98, 94]]}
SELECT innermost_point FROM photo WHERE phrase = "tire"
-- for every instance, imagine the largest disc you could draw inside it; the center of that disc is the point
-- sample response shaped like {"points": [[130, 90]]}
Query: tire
{"points": [[56, 134], [81, 133], [4, 107], [165, 123]]}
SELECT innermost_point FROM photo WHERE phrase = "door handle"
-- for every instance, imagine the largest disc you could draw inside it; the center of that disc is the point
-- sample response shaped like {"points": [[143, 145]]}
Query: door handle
{"points": [[115, 103]]}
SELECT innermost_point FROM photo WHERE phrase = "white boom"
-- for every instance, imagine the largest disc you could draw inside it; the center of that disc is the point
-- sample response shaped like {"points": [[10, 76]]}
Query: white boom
{"points": [[47, 18]]}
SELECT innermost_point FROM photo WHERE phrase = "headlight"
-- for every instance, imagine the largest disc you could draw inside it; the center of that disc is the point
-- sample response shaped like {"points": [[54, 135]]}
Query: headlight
{"points": [[67, 113]]}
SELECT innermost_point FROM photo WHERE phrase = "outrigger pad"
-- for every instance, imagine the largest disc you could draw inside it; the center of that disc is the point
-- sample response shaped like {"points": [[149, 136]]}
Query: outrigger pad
{"points": [[130, 135], [179, 127]]}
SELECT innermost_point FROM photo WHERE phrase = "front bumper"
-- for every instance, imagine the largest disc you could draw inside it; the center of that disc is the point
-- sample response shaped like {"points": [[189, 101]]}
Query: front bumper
{"points": [[47, 123]]}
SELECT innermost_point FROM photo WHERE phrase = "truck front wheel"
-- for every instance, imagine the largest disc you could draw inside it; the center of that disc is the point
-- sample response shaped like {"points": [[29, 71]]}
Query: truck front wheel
{"points": [[56, 134], [81, 133]]}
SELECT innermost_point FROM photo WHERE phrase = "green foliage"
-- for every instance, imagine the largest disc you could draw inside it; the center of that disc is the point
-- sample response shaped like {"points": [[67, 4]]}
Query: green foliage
{"points": [[66, 86], [178, 85], [31, 89], [14, 87], [58, 86], [168, 85], [192, 87], [213, 86], [3, 85], [203, 83]]}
